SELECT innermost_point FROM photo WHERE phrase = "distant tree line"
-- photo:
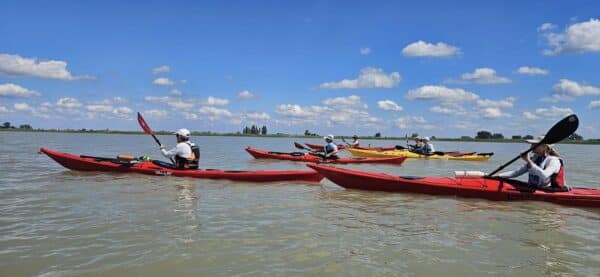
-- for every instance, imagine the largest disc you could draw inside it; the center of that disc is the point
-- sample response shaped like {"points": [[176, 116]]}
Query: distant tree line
{"points": [[489, 135], [254, 130], [7, 125], [307, 133]]}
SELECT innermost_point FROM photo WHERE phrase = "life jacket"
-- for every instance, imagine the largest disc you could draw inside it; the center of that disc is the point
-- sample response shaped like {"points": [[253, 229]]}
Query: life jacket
{"points": [[193, 161], [328, 149], [557, 180]]}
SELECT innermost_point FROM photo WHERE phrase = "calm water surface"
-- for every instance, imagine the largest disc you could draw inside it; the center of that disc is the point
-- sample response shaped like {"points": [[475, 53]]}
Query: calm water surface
{"points": [[56, 222]]}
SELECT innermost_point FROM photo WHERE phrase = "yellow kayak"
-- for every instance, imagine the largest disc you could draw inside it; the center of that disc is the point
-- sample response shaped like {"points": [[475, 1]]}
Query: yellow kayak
{"points": [[394, 153]]}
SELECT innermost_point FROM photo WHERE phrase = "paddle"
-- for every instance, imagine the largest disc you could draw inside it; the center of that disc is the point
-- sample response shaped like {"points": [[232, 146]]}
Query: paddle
{"points": [[344, 140], [558, 132], [302, 147], [149, 131]]}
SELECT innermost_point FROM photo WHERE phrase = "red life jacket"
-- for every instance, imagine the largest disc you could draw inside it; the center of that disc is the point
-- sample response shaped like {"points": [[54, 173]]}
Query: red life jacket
{"points": [[557, 180]]}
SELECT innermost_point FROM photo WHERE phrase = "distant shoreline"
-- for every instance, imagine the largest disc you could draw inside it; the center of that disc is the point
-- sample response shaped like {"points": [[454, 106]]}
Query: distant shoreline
{"points": [[210, 134]]}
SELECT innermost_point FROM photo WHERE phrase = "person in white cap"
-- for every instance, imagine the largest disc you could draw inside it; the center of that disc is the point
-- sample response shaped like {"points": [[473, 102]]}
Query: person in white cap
{"points": [[330, 150], [545, 167], [185, 153], [427, 147]]}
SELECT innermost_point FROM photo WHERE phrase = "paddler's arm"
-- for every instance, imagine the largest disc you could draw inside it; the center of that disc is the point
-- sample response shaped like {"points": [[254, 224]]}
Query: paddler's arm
{"points": [[552, 168], [514, 173], [170, 153]]}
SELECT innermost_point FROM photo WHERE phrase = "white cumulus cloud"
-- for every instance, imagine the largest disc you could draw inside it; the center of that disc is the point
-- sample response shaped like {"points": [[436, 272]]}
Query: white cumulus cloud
{"points": [[503, 103], [577, 38], [369, 77], [424, 49], [175, 92], [441, 93], [22, 107], [484, 75], [552, 112], [12, 90], [530, 115], [257, 116], [214, 113], [4, 109], [299, 111], [161, 69], [190, 116], [214, 101], [68, 103], [412, 122], [546, 27], [365, 51], [493, 113], [156, 114], [388, 105], [452, 109], [352, 101], [594, 105], [245, 95], [15, 65], [526, 70], [567, 89], [163, 82]]}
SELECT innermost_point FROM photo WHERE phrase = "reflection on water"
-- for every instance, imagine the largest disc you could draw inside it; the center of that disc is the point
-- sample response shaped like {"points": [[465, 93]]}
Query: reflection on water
{"points": [[58, 222]]}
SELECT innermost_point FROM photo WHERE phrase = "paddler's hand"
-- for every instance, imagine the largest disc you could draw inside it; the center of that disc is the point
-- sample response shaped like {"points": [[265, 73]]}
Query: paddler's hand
{"points": [[525, 157], [162, 147]]}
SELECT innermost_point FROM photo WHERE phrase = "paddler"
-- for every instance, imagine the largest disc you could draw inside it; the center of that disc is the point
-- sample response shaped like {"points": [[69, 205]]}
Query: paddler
{"points": [[545, 167], [330, 150], [426, 147], [355, 141], [185, 153]]}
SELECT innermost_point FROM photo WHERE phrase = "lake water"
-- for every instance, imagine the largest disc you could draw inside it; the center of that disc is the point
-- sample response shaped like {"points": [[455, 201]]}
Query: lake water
{"points": [[56, 222]]}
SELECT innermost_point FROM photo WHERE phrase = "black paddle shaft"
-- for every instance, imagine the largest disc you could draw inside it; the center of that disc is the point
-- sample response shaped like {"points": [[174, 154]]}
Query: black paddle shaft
{"points": [[558, 132]]}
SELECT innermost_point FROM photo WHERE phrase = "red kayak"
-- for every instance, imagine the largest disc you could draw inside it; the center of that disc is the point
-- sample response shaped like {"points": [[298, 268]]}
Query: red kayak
{"points": [[87, 163], [305, 157], [474, 187], [343, 146]]}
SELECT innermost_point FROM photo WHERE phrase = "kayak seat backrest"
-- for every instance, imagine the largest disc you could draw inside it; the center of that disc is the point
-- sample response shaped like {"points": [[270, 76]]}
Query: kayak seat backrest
{"points": [[411, 177]]}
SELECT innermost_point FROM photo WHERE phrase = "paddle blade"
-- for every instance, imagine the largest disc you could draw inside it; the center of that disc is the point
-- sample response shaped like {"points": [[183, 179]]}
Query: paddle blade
{"points": [[299, 146], [561, 130], [144, 125]]}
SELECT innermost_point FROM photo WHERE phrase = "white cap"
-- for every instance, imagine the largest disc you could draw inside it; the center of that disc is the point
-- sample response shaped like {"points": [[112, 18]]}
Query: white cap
{"points": [[538, 140], [329, 137], [426, 138], [183, 133]]}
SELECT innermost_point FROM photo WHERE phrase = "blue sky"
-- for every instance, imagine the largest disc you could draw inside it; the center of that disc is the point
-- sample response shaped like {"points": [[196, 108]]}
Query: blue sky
{"points": [[436, 68]]}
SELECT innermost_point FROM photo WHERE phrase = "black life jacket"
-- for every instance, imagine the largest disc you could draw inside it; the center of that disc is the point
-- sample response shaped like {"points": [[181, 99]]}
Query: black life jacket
{"points": [[189, 163]]}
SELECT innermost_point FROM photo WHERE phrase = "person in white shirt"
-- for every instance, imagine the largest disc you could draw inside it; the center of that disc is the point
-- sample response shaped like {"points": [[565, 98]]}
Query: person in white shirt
{"points": [[355, 141], [545, 168], [185, 153]]}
